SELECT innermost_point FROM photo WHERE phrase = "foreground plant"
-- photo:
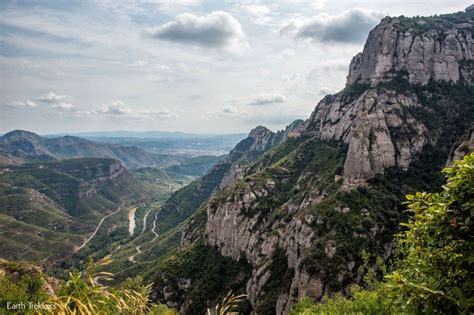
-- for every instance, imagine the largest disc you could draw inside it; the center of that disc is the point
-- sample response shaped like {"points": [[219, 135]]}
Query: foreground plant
{"points": [[83, 293], [228, 305], [436, 273]]}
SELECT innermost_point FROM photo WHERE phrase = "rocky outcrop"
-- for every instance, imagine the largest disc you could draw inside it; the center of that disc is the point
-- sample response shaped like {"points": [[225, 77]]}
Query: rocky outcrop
{"points": [[260, 140], [378, 124], [368, 124], [463, 147], [419, 49], [17, 272]]}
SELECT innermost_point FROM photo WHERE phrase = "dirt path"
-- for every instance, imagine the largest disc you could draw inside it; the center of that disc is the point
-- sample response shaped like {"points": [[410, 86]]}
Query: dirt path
{"points": [[75, 250]]}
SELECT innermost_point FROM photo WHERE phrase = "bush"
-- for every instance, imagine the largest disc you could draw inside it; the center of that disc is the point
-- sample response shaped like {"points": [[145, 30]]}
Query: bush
{"points": [[436, 275]]}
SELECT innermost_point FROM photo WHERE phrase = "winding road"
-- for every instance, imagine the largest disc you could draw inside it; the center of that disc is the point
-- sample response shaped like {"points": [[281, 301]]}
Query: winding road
{"points": [[96, 229], [154, 226], [144, 221], [132, 258]]}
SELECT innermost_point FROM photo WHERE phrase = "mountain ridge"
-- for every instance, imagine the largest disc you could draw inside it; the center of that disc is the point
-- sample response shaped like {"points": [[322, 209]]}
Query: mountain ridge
{"points": [[28, 145]]}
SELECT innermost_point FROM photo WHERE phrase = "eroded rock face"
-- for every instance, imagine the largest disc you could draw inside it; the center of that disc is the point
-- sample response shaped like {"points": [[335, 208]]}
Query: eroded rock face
{"points": [[367, 124], [237, 233], [419, 49]]}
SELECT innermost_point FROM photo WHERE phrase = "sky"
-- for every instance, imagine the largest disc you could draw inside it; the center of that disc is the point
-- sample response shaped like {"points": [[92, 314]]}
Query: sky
{"points": [[180, 65]]}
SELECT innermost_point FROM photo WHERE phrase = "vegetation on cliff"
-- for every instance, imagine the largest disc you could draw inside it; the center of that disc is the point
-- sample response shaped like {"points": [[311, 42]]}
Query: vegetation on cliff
{"points": [[434, 273]]}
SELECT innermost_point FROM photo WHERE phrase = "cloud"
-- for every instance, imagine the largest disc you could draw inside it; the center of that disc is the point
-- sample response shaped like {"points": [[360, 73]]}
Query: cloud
{"points": [[259, 12], [293, 78], [63, 106], [229, 110], [318, 4], [216, 30], [58, 102], [24, 104], [115, 108], [53, 98], [170, 6], [267, 98], [163, 113], [350, 26]]}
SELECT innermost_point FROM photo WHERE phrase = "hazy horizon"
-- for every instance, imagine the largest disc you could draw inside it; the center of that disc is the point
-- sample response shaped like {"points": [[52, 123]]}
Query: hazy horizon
{"points": [[88, 132]]}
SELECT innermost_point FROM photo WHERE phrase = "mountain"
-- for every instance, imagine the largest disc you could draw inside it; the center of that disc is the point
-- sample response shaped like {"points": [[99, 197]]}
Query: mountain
{"points": [[172, 215], [30, 146], [56, 204], [186, 201], [145, 135], [309, 216]]}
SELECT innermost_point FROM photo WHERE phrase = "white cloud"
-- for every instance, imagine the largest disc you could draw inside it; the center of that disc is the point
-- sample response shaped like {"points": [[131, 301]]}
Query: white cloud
{"points": [[172, 6], [293, 78], [115, 108], [259, 12], [318, 4], [216, 30], [24, 104], [351, 26], [63, 106], [267, 98], [53, 98]]}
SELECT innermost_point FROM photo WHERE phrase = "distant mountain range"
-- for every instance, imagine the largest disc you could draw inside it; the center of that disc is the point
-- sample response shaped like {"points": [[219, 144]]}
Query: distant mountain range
{"points": [[20, 145], [145, 134]]}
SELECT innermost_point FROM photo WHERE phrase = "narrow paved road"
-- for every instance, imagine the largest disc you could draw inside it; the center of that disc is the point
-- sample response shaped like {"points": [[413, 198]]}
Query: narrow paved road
{"points": [[132, 258], [144, 221], [96, 229], [154, 226]]}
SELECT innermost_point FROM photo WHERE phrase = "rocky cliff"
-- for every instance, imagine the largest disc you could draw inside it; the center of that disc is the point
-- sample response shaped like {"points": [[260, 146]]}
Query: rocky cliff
{"points": [[438, 48], [312, 214], [378, 119]]}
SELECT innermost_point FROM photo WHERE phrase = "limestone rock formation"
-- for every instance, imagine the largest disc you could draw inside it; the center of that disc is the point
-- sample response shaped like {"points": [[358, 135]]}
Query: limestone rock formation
{"points": [[366, 124], [420, 50]]}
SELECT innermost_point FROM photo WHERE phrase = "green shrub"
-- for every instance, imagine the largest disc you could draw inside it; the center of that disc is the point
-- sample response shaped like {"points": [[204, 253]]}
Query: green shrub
{"points": [[436, 275]]}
